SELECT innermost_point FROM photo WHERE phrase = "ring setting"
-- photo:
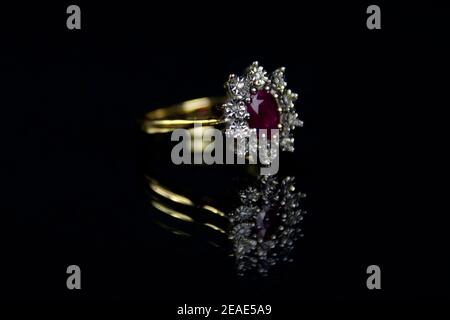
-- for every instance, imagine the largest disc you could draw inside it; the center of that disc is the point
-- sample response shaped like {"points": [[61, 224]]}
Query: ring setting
{"points": [[258, 101]]}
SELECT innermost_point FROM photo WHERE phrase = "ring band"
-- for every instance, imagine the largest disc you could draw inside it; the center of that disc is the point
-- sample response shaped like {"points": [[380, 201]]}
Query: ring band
{"points": [[204, 111]]}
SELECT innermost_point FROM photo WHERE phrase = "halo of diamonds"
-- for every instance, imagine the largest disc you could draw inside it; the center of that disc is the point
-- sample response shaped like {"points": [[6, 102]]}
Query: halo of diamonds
{"points": [[239, 92], [256, 252]]}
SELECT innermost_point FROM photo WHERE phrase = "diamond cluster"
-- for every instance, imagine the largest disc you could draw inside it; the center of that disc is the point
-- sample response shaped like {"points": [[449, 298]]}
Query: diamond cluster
{"points": [[265, 226], [241, 89]]}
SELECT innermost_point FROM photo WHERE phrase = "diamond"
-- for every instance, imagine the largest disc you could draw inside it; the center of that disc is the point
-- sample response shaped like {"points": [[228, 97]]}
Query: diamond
{"points": [[236, 111], [257, 75], [278, 81], [238, 87]]}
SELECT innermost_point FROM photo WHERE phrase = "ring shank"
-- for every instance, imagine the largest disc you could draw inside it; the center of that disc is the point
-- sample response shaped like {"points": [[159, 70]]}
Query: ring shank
{"points": [[204, 111]]}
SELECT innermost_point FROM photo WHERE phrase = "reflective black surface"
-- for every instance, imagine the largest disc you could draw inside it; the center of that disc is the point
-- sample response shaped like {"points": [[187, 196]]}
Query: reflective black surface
{"points": [[73, 185]]}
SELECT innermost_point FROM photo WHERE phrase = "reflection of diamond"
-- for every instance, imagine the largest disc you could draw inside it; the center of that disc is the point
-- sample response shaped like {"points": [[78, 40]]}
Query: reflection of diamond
{"points": [[265, 226]]}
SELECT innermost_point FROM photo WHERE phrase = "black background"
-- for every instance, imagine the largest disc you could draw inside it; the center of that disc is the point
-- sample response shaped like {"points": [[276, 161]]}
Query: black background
{"points": [[366, 156]]}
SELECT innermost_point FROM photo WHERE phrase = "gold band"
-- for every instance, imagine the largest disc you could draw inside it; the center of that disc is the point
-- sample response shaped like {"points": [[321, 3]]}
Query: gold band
{"points": [[204, 111]]}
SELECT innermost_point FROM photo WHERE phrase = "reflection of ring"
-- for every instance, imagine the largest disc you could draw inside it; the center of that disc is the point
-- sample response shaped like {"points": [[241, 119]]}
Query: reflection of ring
{"points": [[262, 226], [254, 101]]}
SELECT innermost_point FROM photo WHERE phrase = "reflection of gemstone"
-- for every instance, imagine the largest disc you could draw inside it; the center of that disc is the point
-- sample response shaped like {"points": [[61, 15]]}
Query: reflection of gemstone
{"points": [[263, 110], [266, 225], [268, 222]]}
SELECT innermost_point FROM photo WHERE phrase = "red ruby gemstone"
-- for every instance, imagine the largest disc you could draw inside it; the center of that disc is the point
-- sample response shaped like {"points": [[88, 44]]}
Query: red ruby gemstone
{"points": [[263, 110]]}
